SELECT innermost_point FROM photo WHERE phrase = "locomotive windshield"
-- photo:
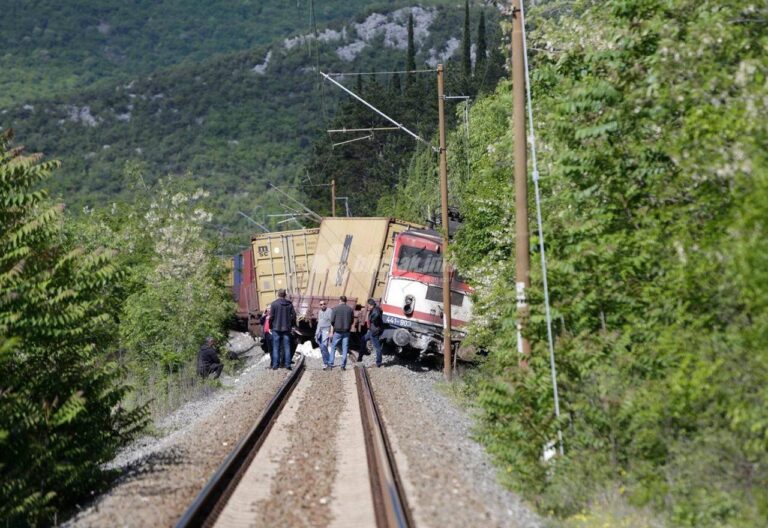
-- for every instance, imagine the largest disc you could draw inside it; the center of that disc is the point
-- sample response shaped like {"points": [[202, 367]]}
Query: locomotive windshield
{"points": [[420, 260]]}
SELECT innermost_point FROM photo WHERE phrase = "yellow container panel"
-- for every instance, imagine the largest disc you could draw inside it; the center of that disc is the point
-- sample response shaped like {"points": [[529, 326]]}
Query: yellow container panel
{"points": [[282, 261], [229, 263], [351, 257]]}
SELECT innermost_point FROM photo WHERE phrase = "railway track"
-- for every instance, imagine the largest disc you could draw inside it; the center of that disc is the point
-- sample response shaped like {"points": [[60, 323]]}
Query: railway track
{"points": [[228, 497]]}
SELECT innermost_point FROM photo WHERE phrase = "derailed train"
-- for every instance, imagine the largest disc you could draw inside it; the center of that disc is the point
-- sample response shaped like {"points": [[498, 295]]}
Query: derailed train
{"points": [[397, 263]]}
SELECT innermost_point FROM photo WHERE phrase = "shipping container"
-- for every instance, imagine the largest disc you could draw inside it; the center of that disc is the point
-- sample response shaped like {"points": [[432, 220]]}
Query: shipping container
{"points": [[282, 260], [353, 257]]}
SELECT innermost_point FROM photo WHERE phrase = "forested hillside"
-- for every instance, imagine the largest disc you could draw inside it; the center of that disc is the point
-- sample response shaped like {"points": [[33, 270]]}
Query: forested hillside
{"points": [[104, 305], [368, 164], [654, 172], [229, 123], [50, 48]]}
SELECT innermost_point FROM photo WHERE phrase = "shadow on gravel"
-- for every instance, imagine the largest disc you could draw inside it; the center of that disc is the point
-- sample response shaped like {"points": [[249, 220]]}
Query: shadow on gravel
{"points": [[417, 364], [131, 472], [151, 463]]}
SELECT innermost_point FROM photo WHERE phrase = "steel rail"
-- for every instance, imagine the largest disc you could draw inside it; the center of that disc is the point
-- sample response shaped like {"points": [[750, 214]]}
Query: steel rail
{"points": [[214, 496], [390, 505]]}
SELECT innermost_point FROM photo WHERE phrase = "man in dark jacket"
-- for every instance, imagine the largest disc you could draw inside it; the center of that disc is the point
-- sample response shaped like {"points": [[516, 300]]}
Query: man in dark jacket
{"points": [[341, 321], [281, 322], [375, 328], [208, 359]]}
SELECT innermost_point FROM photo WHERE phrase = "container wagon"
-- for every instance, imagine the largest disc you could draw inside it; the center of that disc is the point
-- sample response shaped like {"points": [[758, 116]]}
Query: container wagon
{"points": [[395, 262], [281, 260]]}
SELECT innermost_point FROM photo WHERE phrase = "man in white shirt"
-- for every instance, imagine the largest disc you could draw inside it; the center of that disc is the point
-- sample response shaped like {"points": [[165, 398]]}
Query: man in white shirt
{"points": [[323, 332]]}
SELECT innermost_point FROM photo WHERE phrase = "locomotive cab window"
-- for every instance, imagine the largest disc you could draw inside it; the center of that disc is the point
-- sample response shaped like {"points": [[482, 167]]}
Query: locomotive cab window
{"points": [[420, 260]]}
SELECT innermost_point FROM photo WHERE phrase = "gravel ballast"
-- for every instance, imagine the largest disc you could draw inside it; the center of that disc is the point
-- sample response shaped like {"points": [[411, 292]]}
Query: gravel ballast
{"points": [[161, 476], [448, 476], [301, 487]]}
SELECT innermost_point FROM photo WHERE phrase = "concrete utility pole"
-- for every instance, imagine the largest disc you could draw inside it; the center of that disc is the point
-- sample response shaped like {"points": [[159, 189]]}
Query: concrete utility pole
{"points": [[333, 197], [522, 251], [447, 349]]}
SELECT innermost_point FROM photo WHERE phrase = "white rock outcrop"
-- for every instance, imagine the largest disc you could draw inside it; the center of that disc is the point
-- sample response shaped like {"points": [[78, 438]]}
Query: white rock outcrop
{"points": [[261, 69], [394, 28], [435, 56], [82, 115]]}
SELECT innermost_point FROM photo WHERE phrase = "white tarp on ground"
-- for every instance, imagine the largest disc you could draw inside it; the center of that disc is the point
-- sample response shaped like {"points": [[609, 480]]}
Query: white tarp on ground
{"points": [[307, 350]]}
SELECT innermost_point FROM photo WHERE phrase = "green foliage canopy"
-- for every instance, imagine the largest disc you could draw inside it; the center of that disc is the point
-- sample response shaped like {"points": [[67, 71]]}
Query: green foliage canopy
{"points": [[653, 162], [60, 395]]}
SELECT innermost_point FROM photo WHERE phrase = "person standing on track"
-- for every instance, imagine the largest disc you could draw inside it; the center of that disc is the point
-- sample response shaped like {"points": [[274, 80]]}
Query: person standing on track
{"points": [[341, 321], [208, 361], [282, 321], [323, 332], [375, 327], [267, 333]]}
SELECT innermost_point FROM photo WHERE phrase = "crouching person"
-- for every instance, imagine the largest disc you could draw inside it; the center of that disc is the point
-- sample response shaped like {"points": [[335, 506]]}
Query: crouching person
{"points": [[208, 361]]}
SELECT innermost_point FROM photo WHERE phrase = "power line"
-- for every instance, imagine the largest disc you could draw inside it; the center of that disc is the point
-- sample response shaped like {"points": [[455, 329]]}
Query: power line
{"points": [[355, 74], [257, 224], [312, 214], [532, 140], [372, 129], [369, 136], [382, 114]]}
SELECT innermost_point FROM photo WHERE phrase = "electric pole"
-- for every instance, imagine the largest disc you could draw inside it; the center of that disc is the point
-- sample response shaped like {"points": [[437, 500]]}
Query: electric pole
{"points": [[333, 197], [447, 349], [522, 251]]}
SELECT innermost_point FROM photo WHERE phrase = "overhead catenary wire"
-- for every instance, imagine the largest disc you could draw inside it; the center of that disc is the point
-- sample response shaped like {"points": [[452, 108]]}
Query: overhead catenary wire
{"points": [[310, 212], [254, 222], [534, 161], [355, 74], [372, 129], [382, 114], [369, 136]]}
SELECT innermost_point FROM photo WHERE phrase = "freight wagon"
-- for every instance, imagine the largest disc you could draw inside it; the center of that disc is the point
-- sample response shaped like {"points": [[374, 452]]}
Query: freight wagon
{"points": [[240, 283], [281, 260], [395, 262]]}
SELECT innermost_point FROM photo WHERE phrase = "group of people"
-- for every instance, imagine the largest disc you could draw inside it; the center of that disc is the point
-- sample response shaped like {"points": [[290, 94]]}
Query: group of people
{"points": [[333, 328], [333, 331]]}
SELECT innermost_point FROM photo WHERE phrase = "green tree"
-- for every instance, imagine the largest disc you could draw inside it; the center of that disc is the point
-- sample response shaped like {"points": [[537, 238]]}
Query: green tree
{"points": [[482, 51], [466, 51], [60, 395], [653, 181], [410, 56]]}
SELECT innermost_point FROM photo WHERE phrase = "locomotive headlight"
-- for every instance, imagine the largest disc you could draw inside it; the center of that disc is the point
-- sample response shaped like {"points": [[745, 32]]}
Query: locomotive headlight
{"points": [[409, 305]]}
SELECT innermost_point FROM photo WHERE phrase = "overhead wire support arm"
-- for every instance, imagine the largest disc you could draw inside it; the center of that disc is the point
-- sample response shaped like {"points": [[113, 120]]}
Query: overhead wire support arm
{"points": [[369, 136], [382, 114], [355, 74], [254, 222], [316, 217], [372, 129]]}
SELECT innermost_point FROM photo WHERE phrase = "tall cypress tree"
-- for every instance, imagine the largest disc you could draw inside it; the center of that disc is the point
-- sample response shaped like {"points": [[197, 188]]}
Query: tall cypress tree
{"points": [[482, 51], [410, 57], [396, 86], [466, 43]]}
